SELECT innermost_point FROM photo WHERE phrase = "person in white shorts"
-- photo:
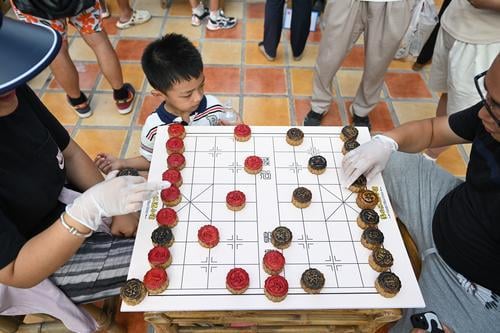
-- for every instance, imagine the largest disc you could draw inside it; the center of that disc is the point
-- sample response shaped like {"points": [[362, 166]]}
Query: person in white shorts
{"points": [[467, 44]]}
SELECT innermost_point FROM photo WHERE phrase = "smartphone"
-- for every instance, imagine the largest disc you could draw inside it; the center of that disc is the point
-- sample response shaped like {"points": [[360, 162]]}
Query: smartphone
{"points": [[428, 321]]}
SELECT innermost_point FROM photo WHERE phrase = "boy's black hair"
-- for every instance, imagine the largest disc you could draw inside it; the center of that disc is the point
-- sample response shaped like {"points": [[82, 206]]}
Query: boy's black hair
{"points": [[170, 60]]}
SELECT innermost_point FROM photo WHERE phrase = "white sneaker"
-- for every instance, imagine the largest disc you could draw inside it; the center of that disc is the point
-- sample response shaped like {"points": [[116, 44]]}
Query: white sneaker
{"points": [[138, 17], [221, 22], [196, 19]]}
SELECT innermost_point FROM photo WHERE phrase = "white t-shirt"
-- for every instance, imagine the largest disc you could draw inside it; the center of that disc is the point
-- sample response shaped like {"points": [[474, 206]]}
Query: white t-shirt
{"points": [[471, 25], [208, 114]]}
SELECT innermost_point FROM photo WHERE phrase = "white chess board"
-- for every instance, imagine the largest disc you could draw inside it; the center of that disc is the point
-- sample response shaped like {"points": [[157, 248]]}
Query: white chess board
{"points": [[325, 235]]}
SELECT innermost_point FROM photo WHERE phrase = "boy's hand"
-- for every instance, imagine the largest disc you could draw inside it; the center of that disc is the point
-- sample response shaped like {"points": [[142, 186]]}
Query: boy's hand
{"points": [[125, 225], [107, 162]]}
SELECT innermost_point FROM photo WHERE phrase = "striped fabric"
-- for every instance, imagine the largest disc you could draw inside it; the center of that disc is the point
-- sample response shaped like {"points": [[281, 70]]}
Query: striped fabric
{"points": [[97, 270]]}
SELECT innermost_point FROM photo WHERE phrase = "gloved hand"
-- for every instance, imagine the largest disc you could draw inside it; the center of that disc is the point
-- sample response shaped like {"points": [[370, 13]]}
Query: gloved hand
{"points": [[114, 196], [369, 159]]}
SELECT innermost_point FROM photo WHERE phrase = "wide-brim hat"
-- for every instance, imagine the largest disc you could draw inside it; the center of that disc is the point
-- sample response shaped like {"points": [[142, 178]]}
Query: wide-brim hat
{"points": [[26, 49]]}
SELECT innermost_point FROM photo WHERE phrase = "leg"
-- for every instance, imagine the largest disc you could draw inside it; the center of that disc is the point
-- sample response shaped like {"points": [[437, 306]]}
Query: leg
{"points": [[445, 296], [299, 30], [341, 30], [130, 17], [386, 25], [65, 72], [416, 192], [273, 23], [106, 57]]}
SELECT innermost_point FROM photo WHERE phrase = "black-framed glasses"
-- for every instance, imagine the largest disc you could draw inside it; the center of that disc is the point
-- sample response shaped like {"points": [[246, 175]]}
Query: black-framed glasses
{"points": [[485, 102]]}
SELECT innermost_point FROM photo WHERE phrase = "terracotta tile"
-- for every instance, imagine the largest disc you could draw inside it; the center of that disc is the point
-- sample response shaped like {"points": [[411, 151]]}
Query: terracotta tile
{"points": [[182, 26], [134, 144], [180, 8], [355, 58], [314, 36], [79, 50], [302, 79], [408, 85], [58, 106], [94, 141], [109, 25], [105, 113], [254, 57], [38, 81], [212, 54], [452, 161], [273, 82], [234, 33], [222, 80], [256, 10], [331, 118], [254, 30], [71, 30], [150, 29], [131, 49], [409, 111], [149, 105], [309, 57], [132, 73], [133, 321], [380, 117], [234, 9], [266, 111], [87, 75]]}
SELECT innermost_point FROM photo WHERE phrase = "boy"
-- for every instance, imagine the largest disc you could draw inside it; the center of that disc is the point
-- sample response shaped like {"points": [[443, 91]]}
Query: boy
{"points": [[174, 68]]}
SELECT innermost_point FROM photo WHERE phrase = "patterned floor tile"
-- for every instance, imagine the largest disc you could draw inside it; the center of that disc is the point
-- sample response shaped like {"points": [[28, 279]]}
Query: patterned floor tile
{"points": [[233, 33], [150, 104], [406, 85], [254, 30], [273, 82], [182, 26], [132, 73], [266, 111], [221, 53], [255, 10], [131, 49], [222, 80], [87, 75], [380, 117], [59, 107], [94, 141], [150, 29], [253, 56], [105, 112], [301, 81]]}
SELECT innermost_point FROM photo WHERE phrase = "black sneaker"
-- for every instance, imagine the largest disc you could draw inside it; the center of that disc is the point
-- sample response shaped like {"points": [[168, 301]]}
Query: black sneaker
{"points": [[313, 119], [361, 121]]}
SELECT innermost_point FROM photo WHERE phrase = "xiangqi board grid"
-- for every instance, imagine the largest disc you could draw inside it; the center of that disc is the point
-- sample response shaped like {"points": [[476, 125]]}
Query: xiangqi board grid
{"points": [[325, 235]]}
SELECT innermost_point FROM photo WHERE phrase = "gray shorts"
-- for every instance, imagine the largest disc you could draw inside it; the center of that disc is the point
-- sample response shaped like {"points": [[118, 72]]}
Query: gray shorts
{"points": [[97, 270], [415, 193]]}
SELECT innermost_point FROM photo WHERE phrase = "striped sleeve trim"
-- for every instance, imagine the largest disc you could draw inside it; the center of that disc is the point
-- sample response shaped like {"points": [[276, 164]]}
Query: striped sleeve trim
{"points": [[151, 134], [210, 110]]}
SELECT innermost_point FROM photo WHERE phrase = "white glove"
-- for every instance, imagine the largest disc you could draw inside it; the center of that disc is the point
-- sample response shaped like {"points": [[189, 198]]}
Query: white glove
{"points": [[114, 196], [369, 159]]}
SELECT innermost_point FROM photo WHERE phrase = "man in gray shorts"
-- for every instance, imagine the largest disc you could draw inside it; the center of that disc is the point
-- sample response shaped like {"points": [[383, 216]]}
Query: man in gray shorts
{"points": [[455, 223]]}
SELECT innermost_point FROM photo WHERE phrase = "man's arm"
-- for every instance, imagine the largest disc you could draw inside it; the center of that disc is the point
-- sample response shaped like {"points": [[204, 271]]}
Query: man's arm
{"points": [[415, 136]]}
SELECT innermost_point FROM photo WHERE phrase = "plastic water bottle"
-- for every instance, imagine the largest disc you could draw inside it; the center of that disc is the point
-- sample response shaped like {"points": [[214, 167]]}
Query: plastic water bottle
{"points": [[229, 117]]}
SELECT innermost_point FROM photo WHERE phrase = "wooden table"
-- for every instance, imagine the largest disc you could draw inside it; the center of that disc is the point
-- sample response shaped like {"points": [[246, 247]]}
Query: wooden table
{"points": [[308, 321]]}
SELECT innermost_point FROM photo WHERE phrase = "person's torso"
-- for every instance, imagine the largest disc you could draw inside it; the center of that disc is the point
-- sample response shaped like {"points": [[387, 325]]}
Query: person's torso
{"points": [[471, 25]]}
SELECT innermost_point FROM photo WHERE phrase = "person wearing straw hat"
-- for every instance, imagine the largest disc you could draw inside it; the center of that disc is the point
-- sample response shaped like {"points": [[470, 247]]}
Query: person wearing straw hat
{"points": [[39, 236]]}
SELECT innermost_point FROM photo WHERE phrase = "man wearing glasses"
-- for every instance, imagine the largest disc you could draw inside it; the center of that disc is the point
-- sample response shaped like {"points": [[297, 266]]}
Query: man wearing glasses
{"points": [[455, 223]]}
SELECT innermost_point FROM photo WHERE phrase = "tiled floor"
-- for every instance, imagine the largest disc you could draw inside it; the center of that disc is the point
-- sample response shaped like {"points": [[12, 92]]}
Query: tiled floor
{"points": [[265, 93]]}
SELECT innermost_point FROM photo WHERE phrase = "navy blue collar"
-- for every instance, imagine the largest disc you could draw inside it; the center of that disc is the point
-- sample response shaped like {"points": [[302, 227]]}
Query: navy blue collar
{"points": [[167, 117]]}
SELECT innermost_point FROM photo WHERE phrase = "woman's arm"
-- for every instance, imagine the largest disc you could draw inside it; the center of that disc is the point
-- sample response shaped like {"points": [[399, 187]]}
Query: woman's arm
{"points": [[80, 169], [43, 255]]}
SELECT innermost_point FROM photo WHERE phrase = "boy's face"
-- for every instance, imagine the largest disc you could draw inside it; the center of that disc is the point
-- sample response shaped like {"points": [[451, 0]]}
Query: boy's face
{"points": [[184, 97]]}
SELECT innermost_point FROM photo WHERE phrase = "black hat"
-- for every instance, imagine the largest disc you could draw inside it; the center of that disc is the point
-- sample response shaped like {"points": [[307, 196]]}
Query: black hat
{"points": [[26, 49]]}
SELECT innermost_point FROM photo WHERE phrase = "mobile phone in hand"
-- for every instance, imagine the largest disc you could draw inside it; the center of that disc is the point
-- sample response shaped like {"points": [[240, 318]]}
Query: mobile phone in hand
{"points": [[428, 321]]}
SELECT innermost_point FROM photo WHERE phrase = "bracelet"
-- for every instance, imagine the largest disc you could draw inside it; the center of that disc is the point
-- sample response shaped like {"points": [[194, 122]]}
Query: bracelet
{"points": [[73, 230]]}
